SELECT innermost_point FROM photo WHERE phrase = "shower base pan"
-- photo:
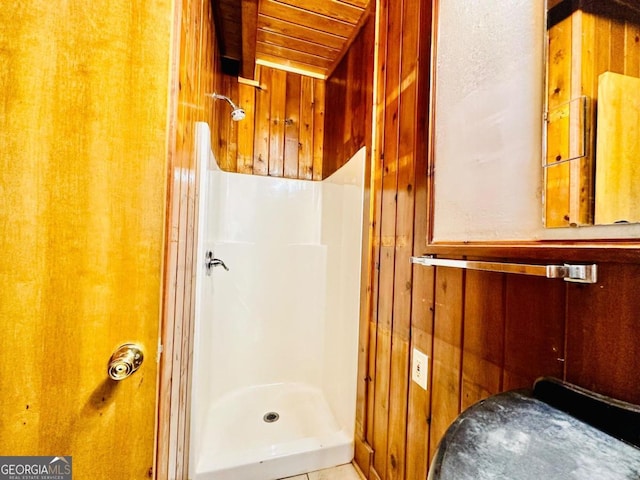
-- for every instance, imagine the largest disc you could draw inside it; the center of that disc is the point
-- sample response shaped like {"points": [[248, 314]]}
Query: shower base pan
{"points": [[270, 432]]}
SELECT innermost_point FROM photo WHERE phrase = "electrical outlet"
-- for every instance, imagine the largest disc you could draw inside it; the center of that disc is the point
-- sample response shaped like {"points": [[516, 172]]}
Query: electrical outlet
{"points": [[420, 368]]}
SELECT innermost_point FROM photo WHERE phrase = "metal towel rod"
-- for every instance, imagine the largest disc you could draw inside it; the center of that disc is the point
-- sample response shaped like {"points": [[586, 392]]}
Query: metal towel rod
{"points": [[569, 273]]}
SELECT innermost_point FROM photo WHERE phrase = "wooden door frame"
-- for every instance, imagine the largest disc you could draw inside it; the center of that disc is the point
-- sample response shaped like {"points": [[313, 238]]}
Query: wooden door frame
{"points": [[173, 403]]}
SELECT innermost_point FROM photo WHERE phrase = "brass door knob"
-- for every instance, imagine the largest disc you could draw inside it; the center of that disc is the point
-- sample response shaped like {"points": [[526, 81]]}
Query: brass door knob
{"points": [[125, 361]]}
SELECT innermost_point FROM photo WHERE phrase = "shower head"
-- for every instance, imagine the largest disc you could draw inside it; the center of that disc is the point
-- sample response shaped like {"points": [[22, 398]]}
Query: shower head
{"points": [[237, 114]]}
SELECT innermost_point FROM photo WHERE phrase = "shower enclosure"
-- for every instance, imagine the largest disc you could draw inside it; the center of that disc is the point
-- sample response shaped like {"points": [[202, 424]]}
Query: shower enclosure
{"points": [[274, 385]]}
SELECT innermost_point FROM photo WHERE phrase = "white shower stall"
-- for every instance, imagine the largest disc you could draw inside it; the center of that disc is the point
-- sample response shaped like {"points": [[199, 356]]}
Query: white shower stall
{"points": [[276, 336]]}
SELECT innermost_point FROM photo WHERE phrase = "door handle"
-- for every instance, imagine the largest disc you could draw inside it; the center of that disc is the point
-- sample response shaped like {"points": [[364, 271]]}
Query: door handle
{"points": [[125, 361]]}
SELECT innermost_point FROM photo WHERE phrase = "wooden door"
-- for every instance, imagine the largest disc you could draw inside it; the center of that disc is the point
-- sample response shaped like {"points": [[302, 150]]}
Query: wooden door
{"points": [[83, 154]]}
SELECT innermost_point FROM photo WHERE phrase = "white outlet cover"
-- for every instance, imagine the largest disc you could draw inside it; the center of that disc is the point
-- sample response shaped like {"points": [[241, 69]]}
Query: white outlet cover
{"points": [[420, 368]]}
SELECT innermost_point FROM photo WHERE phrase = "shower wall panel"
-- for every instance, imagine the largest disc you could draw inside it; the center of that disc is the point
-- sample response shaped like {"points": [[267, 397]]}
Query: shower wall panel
{"points": [[342, 210], [269, 307], [287, 311]]}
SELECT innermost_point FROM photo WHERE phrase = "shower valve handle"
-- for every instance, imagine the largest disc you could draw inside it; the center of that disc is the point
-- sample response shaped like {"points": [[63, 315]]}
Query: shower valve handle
{"points": [[210, 262]]}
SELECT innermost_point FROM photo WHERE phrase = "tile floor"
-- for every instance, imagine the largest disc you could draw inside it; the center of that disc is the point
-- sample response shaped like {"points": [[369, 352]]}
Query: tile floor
{"points": [[343, 472]]}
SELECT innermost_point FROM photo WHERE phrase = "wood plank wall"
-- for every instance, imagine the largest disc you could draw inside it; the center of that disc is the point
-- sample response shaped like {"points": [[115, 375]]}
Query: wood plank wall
{"points": [[398, 411], [195, 72], [484, 332], [349, 93], [496, 332], [283, 132], [348, 128]]}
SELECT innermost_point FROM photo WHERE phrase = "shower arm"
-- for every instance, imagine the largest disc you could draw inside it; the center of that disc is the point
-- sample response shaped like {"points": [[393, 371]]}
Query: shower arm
{"points": [[218, 96], [237, 113]]}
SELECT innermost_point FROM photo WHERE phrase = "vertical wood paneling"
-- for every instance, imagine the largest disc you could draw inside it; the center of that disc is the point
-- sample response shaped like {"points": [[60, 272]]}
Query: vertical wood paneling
{"points": [[195, 75], [492, 332], [419, 400], [392, 195], [418, 414], [380, 413], [306, 130], [367, 421], [398, 393], [177, 302], [407, 95], [186, 242], [603, 352], [557, 204], [246, 128], [581, 171], [484, 320], [632, 49], [348, 98], [292, 125], [278, 91], [318, 129], [390, 162], [534, 330], [616, 50], [422, 309], [376, 205], [231, 90], [600, 40], [393, 455], [223, 125], [447, 352], [282, 134], [263, 125]]}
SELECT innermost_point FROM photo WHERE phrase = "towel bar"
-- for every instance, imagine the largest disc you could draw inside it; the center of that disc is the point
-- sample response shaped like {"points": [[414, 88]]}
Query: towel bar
{"points": [[569, 273]]}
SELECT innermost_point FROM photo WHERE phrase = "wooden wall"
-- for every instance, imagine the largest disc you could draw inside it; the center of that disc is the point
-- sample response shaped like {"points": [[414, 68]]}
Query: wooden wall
{"points": [[349, 109], [484, 332], [282, 134], [195, 71], [495, 332], [396, 416], [349, 100]]}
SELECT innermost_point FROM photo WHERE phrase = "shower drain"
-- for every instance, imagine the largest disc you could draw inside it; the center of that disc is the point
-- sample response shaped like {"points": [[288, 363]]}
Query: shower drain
{"points": [[271, 417]]}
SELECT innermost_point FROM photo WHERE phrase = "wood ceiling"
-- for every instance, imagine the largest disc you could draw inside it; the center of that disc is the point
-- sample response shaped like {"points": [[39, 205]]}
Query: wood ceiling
{"points": [[305, 36]]}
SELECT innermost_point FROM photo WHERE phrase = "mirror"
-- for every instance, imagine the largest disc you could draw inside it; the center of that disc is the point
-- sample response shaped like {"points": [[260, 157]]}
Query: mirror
{"points": [[592, 161], [489, 70]]}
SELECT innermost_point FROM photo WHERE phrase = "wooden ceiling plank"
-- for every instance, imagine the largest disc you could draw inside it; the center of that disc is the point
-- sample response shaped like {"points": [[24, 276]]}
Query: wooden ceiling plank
{"points": [[306, 37], [249, 31], [361, 23], [305, 18], [270, 24], [356, 3], [333, 8], [297, 44], [292, 55], [289, 66]]}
